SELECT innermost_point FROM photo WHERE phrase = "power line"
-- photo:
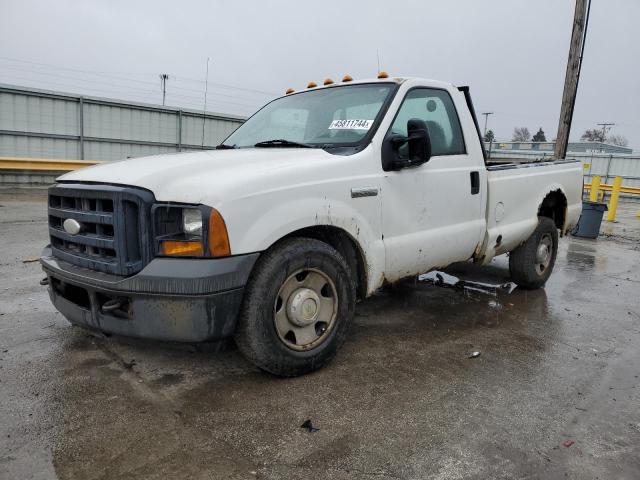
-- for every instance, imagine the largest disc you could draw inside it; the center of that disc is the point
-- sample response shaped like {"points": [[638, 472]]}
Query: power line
{"points": [[116, 77], [126, 89], [58, 75], [143, 96], [225, 85], [111, 83]]}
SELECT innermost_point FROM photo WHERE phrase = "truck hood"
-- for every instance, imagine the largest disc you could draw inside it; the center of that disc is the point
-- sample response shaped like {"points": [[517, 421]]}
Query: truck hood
{"points": [[209, 176]]}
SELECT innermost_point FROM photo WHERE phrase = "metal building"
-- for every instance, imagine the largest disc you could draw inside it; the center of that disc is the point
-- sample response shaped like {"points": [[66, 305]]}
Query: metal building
{"points": [[573, 147], [45, 124]]}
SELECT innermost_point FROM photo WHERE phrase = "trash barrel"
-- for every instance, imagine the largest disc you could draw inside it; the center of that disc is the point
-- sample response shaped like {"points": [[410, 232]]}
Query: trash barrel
{"points": [[590, 220]]}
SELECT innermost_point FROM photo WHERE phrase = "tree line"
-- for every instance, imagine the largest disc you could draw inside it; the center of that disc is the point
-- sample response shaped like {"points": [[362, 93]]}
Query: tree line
{"points": [[521, 134]]}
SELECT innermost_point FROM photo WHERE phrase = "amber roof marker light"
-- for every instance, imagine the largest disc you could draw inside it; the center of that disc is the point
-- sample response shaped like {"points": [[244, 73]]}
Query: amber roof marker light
{"points": [[289, 91], [312, 85], [347, 78], [327, 81], [383, 74]]}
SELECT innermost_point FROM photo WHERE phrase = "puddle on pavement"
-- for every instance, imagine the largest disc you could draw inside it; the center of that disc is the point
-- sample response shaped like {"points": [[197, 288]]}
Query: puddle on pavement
{"points": [[437, 304], [418, 338]]}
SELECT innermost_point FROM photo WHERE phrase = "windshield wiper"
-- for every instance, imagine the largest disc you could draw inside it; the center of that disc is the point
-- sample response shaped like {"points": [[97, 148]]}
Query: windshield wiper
{"points": [[222, 146], [282, 143]]}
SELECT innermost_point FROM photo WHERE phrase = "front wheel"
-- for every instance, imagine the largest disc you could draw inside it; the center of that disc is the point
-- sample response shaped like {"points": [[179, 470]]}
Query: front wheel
{"points": [[297, 308], [532, 262]]}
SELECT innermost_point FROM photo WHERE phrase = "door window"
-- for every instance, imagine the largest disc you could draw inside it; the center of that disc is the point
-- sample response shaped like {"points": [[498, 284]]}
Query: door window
{"points": [[436, 108]]}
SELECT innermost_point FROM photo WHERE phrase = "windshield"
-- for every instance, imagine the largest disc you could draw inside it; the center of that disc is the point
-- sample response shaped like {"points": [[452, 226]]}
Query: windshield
{"points": [[330, 116]]}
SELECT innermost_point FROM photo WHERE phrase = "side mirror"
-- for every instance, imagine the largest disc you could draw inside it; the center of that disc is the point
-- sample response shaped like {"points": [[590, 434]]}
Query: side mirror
{"points": [[419, 141], [418, 147]]}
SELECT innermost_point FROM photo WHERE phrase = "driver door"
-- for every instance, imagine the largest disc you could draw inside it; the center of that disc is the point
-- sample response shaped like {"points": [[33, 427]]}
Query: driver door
{"points": [[431, 214]]}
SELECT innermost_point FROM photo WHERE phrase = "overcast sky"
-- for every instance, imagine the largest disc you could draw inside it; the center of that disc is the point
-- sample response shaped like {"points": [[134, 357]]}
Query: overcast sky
{"points": [[512, 53]]}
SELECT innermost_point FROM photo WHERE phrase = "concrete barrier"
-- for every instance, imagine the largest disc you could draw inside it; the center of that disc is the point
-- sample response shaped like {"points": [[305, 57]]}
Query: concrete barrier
{"points": [[34, 172]]}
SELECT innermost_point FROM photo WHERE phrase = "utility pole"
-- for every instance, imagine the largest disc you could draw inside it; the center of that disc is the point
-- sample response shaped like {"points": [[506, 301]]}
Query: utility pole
{"points": [[574, 64], [163, 83], [604, 130], [486, 117]]}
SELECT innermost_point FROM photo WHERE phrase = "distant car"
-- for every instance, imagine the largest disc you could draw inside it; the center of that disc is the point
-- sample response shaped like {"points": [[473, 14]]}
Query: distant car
{"points": [[317, 200]]}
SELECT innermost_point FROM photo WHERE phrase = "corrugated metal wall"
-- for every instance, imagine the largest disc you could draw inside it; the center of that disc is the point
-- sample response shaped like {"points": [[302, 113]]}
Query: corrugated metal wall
{"points": [[43, 124]]}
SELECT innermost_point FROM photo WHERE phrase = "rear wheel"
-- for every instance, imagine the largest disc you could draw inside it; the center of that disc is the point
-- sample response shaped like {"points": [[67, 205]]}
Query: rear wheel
{"points": [[297, 309], [532, 262]]}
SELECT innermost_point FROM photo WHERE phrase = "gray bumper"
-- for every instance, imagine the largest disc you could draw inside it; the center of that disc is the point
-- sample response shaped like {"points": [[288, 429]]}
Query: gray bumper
{"points": [[186, 300]]}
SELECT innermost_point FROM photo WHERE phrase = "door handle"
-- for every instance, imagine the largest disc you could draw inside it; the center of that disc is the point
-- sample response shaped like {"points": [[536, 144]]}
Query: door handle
{"points": [[364, 192], [475, 182]]}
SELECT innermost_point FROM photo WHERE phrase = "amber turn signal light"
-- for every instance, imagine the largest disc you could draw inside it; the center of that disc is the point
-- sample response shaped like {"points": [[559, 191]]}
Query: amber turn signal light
{"points": [[218, 238], [176, 248]]}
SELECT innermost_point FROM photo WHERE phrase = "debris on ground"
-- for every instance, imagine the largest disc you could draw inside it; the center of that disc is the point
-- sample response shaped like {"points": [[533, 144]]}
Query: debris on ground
{"points": [[30, 259], [568, 443], [494, 304], [473, 355], [309, 426], [129, 365], [441, 279]]}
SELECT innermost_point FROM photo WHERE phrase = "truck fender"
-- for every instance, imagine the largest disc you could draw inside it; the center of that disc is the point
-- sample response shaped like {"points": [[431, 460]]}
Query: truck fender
{"points": [[286, 218]]}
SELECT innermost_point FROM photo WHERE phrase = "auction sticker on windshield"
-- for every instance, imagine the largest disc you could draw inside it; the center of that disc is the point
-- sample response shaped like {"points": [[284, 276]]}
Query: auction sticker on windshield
{"points": [[351, 124]]}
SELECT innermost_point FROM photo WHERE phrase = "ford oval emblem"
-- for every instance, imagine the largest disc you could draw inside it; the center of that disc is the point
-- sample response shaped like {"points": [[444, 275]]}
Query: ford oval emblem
{"points": [[71, 226]]}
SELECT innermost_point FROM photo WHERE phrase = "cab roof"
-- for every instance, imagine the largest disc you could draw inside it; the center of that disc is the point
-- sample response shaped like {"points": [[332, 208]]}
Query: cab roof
{"points": [[397, 80]]}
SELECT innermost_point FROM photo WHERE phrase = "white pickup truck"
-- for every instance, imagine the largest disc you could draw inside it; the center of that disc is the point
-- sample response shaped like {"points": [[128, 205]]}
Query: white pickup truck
{"points": [[318, 200]]}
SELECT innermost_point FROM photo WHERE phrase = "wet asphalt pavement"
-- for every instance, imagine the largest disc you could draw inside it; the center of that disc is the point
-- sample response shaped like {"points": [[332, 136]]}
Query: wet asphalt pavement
{"points": [[401, 400]]}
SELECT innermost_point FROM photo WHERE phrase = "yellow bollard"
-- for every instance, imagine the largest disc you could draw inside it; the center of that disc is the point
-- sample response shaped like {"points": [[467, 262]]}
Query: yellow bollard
{"points": [[595, 186], [613, 203]]}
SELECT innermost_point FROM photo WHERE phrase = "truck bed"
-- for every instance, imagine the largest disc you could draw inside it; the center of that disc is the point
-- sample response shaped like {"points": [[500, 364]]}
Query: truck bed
{"points": [[493, 165], [516, 192]]}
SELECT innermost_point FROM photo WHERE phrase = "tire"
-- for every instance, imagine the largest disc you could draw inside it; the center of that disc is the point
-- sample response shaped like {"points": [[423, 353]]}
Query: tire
{"points": [[297, 309], [529, 267]]}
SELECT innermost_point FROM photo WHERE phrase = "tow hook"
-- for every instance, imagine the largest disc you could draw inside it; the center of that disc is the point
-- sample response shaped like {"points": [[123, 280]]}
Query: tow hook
{"points": [[111, 305], [45, 281]]}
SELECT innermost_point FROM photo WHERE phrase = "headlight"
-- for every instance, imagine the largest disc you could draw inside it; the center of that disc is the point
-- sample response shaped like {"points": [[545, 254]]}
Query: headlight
{"points": [[190, 231], [192, 222]]}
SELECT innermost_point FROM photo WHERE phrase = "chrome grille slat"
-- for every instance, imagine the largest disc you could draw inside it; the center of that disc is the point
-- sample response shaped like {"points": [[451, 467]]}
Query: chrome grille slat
{"points": [[102, 218], [91, 240], [71, 258]]}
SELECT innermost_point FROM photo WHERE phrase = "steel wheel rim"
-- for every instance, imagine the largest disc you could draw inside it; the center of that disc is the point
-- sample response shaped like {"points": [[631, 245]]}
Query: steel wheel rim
{"points": [[305, 309], [544, 253]]}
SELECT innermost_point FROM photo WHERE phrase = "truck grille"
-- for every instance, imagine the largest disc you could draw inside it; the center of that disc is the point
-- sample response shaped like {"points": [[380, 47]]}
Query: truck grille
{"points": [[114, 235]]}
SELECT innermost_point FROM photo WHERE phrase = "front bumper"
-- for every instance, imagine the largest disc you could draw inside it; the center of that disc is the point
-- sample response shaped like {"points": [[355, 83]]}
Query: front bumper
{"points": [[185, 300]]}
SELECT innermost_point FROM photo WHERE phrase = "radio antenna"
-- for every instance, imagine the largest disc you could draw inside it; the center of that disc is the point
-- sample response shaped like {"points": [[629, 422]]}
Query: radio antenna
{"points": [[204, 108]]}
